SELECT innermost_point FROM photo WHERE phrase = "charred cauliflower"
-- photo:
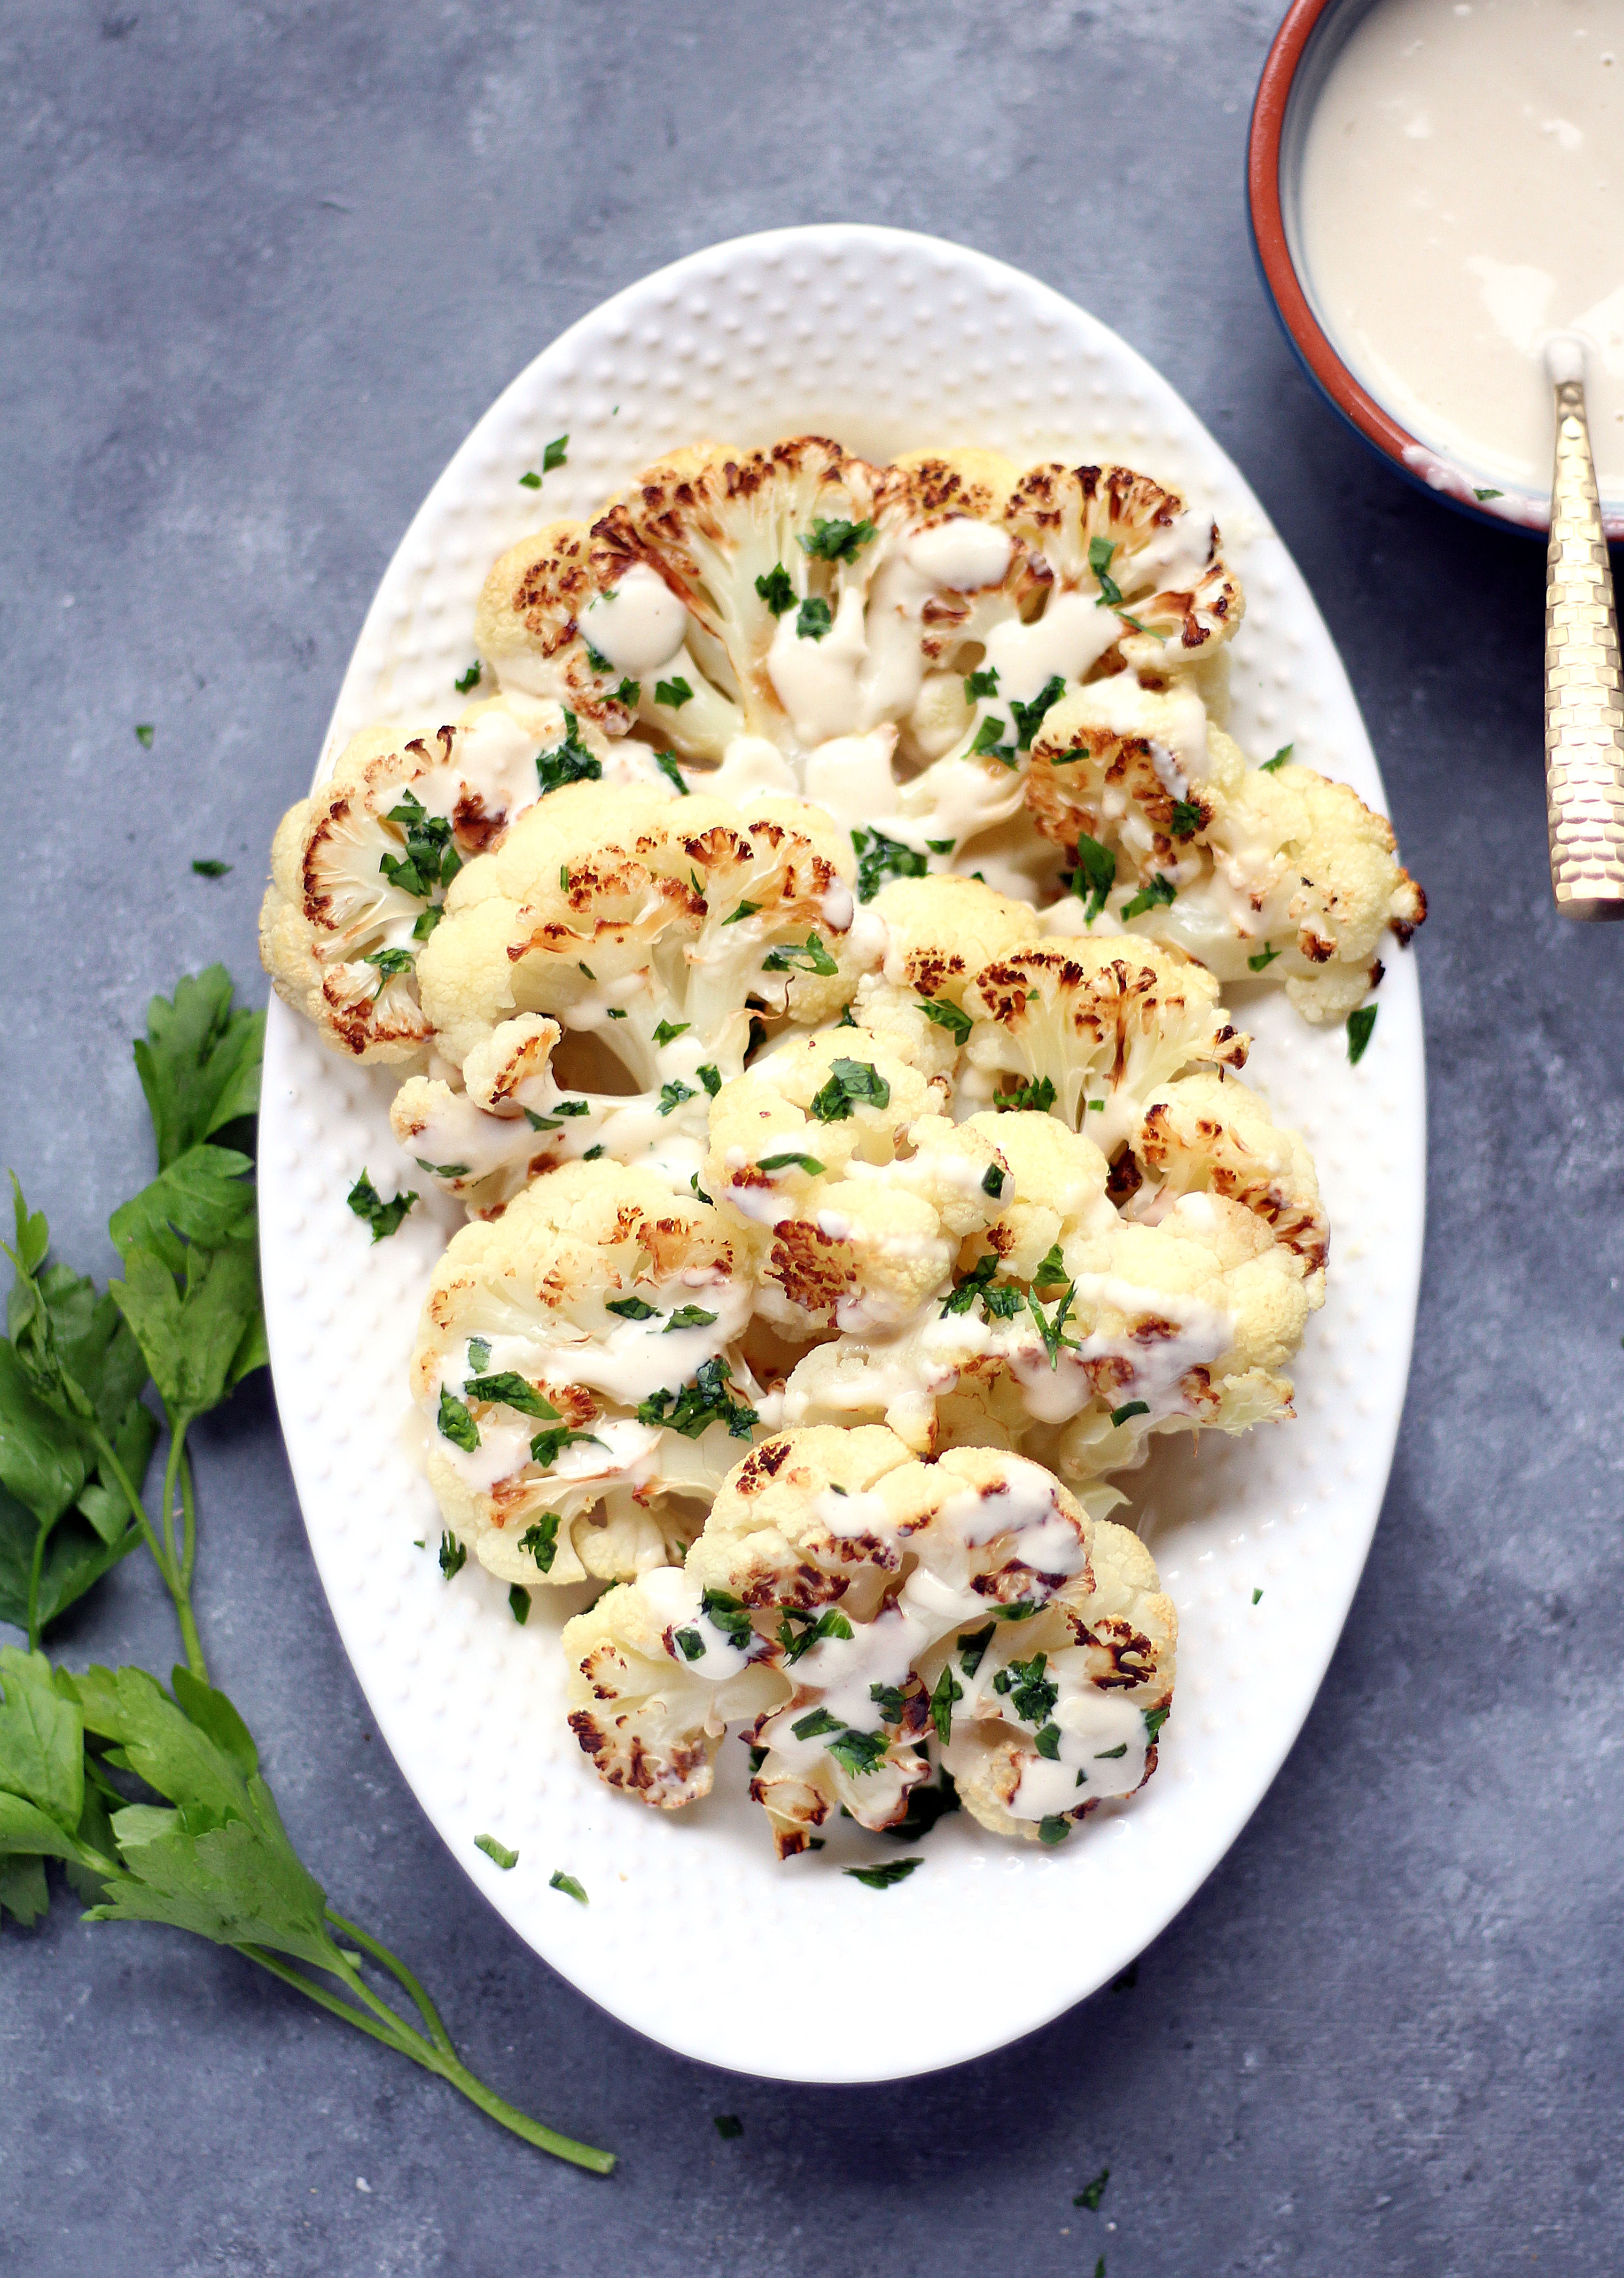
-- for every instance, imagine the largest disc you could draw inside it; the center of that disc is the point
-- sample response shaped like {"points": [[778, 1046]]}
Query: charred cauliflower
{"points": [[578, 1374], [874, 1613]]}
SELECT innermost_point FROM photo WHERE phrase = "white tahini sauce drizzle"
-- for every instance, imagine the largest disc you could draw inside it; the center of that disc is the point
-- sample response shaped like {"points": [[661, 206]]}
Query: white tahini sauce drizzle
{"points": [[638, 625]]}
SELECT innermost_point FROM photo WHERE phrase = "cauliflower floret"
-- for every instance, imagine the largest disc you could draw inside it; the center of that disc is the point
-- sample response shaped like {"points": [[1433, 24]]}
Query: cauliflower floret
{"points": [[843, 1183], [658, 1669], [360, 870], [1075, 1329], [968, 1606], [579, 1371], [650, 933], [1271, 870]]}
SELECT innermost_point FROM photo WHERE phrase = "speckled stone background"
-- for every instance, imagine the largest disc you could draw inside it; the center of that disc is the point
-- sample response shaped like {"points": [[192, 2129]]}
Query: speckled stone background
{"points": [[261, 268]]}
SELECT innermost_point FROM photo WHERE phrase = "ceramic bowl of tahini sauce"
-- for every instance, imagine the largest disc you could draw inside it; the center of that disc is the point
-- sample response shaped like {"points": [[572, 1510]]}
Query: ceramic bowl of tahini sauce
{"points": [[1436, 187]]}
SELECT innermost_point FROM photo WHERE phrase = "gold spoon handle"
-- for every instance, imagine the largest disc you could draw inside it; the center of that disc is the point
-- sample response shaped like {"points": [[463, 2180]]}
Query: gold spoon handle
{"points": [[1584, 699]]}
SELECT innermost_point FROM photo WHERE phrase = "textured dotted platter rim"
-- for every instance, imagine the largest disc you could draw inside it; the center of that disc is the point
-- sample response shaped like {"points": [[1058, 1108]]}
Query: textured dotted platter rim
{"points": [[694, 1935]]}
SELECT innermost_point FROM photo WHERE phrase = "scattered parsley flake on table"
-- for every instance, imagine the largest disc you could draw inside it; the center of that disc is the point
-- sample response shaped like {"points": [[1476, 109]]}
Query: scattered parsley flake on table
{"points": [[498, 1851]]}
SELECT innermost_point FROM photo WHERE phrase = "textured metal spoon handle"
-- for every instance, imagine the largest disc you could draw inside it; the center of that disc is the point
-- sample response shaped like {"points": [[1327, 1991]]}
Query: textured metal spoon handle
{"points": [[1584, 699]]}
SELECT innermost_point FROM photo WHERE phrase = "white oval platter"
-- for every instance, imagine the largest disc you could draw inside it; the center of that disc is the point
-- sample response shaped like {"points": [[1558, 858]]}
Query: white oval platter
{"points": [[694, 1935]]}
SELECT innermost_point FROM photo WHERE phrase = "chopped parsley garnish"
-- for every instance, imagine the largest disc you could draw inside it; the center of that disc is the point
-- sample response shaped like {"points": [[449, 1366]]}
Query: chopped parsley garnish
{"points": [[673, 694], [470, 680], [810, 954], [693, 1407], [512, 1391], [925, 1807], [570, 762], [143, 735], [573, 1106], [776, 589], [1021, 1610], [1054, 1829], [808, 1163], [596, 659], [1361, 1023], [992, 1181], [1029, 717], [541, 1540], [453, 1554], [631, 1309], [689, 1316], [591, 1154], [667, 764], [947, 1016], [989, 742], [745, 910], [430, 859], [667, 1031], [1130, 1408], [979, 684], [389, 962], [1279, 759], [426, 923], [210, 866], [888, 1700], [673, 1094], [498, 1851], [615, 1012], [830, 1623], [851, 1083], [1032, 1694], [728, 2125], [1053, 1331], [1100, 552], [693, 1184], [1256, 1595], [1110, 1755], [1154, 1719], [711, 1078], [1266, 956], [813, 1727], [1090, 2195], [1002, 1302], [813, 619], [1094, 877], [629, 693], [860, 1753], [455, 1424], [836, 541], [530, 480], [546, 1447], [1488, 494], [554, 455], [567, 1884], [518, 1602], [879, 858], [758, 1757], [1047, 1743], [479, 1355], [691, 1643], [881, 1878], [1188, 816], [384, 1217], [1038, 1095], [1159, 894], [941, 845], [944, 1693], [442, 1170], [972, 1649], [1149, 631], [1050, 1271], [730, 1617]]}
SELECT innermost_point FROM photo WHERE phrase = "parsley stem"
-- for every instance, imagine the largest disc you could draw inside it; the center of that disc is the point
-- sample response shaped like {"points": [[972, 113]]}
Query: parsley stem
{"points": [[176, 1574], [397, 1969], [35, 1568], [395, 2033]]}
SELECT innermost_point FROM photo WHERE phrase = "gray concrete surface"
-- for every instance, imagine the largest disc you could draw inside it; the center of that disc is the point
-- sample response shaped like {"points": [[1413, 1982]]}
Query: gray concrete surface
{"points": [[261, 267]]}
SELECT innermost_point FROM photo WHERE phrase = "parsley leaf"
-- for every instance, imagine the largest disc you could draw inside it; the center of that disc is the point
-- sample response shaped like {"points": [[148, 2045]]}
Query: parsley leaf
{"points": [[881, 1878], [808, 1163], [666, 763], [667, 1031], [836, 541], [1032, 1694], [143, 735], [1100, 552], [513, 1391], [727, 1615], [1361, 1023], [1094, 877], [1264, 957], [813, 619], [813, 1727], [569, 762], [1159, 894], [693, 1407], [498, 1851], [673, 694], [745, 910], [831, 1623], [1279, 759], [629, 693], [992, 1181], [546, 1447], [691, 1643], [879, 858], [729, 2126], [631, 1309], [1130, 1408], [1054, 1829], [673, 1094], [989, 743], [1488, 494], [947, 1016], [540, 1540], [559, 1881], [979, 684], [518, 1602], [776, 589], [1154, 1719], [383, 1217], [530, 480], [469, 680], [944, 1693], [851, 1083], [972, 1649], [1188, 816], [199, 1065], [1090, 2195], [209, 865], [455, 1424], [810, 954], [453, 1554], [689, 1316], [860, 1753], [1029, 717], [1038, 1096]]}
